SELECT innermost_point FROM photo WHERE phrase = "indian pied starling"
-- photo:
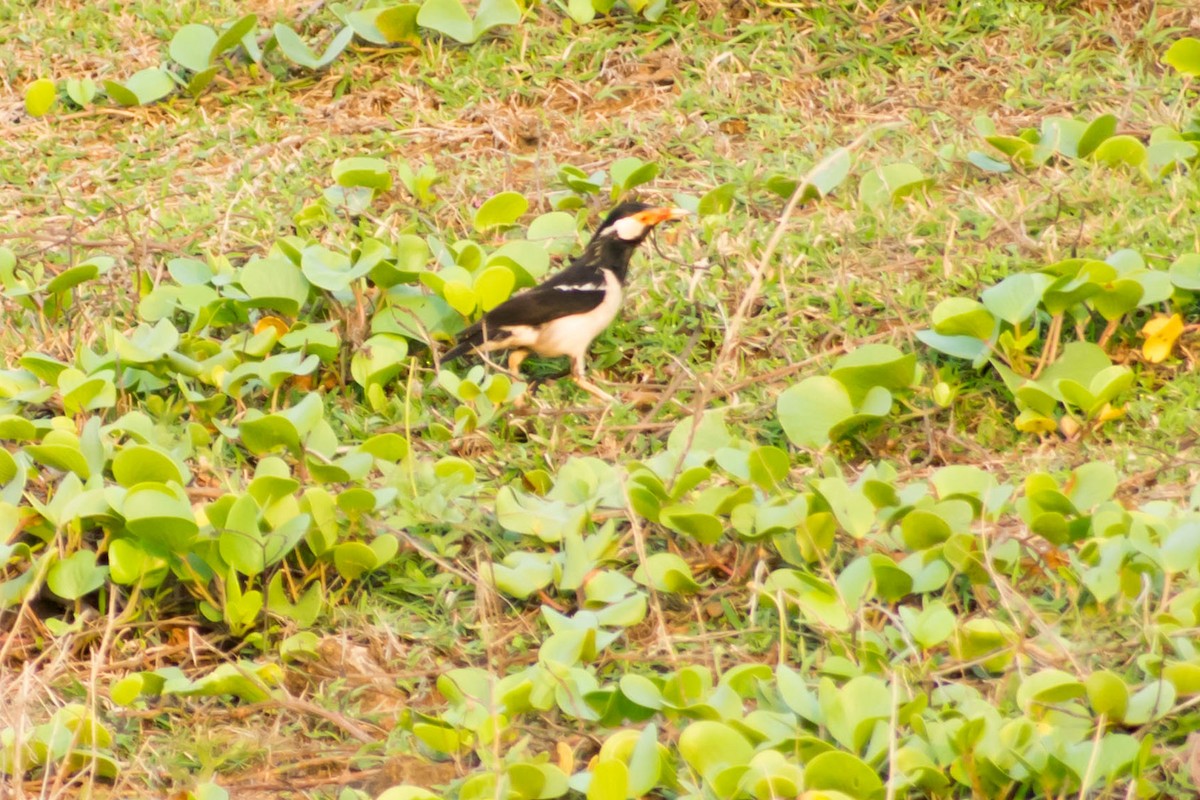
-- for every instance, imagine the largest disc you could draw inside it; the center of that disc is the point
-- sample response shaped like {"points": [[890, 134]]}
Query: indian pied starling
{"points": [[563, 315]]}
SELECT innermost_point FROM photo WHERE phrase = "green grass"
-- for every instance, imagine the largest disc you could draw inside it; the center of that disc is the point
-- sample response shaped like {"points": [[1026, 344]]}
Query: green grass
{"points": [[713, 95]]}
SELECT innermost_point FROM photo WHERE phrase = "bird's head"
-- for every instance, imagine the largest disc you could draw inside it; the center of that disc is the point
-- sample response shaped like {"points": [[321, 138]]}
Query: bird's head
{"points": [[632, 222]]}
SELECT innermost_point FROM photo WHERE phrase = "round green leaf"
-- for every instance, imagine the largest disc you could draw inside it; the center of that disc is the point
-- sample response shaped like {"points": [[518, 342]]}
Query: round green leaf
{"points": [[1101, 128], [192, 46], [1185, 272], [666, 572], [1118, 150], [1048, 687], [76, 575], [961, 316], [1107, 694], [809, 410], [1184, 55], [837, 771], [874, 365], [354, 559], [493, 286], [499, 210], [448, 17], [276, 283], [826, 175], [150, 85], [158, 515], [610, 781], [890, 184], [142, 463], [709, 747], [40, 97], [769, 467], [372, 173]]}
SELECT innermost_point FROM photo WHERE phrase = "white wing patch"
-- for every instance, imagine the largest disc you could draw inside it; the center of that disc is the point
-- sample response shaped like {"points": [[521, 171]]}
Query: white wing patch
{"points": [[581, 287]]}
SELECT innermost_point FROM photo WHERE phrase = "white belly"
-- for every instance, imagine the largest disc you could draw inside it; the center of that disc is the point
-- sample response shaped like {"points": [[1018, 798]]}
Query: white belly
{"points": [[571, 336]]}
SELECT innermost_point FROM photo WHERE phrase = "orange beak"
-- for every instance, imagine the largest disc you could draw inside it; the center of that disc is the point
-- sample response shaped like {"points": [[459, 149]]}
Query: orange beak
{"points": [[653, 216]]}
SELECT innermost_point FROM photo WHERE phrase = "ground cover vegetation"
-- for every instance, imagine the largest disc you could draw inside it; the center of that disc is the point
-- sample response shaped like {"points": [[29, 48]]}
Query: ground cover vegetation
{"points": [[899, 497]]}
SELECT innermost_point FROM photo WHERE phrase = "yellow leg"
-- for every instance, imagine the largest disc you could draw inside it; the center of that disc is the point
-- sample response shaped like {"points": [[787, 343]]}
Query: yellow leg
{"points": [[583, 383], [515, 357]]}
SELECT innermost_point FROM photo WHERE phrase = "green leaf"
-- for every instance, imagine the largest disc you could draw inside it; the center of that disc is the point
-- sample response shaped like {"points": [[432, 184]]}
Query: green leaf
{"points": [[1048, 687], [141, 463], [494, 13], [842, 772], [1015, 298], [379, 359], [149, 85], [82, 91], [1101, 128], [610, 781], [275, 283], [1118, 150], [331, 270], [398, 23], [192, 47], [1184, 55], [120, 94], [961, 316], [629, 173], [849, 505], [77, 575], [40, 97], [709, 747], [718, 200], [372, 173], [932, 626], [1185, 272], [1118, 298], [826, 175], [447, 17], [890, 184], [965, 347], [987, 163], [582, 11], [299, 53], [1016, 148], [131, 563], [61, 455], [809, 410], [1107, 694], [354, 559], [493, 286], [499, 210], [234, 34], [159, 516], [872, 365], [769, 467], [666, 572], [703, 527]]}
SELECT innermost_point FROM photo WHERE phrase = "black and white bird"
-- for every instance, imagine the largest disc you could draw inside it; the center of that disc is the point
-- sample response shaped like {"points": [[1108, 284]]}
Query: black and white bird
{"points": [[564, 314]]}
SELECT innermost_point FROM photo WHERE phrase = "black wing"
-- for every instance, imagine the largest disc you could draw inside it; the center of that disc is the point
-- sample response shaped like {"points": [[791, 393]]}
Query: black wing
{"points": [[534, 307], [544, 304]]}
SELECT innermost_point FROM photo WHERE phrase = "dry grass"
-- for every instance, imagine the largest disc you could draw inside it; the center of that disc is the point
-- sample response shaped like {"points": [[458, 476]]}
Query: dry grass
{"points": [[225, 174]]}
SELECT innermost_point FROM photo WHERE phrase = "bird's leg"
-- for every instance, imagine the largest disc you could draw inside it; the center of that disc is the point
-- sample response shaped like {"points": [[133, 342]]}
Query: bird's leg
{"points": [[515, 357], [583, 383]]}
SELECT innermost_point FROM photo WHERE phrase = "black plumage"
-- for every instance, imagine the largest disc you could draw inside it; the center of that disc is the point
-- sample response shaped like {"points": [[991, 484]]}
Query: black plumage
{"points": [[565, 313]]}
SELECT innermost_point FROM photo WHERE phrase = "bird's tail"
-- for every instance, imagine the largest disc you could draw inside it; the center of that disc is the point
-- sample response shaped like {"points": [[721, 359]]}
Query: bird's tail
{"points": [[468, 340]]}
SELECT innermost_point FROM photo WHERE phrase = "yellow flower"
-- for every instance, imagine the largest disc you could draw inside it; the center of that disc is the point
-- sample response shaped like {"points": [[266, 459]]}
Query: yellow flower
{"points": [[1161, 334]]}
